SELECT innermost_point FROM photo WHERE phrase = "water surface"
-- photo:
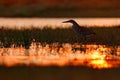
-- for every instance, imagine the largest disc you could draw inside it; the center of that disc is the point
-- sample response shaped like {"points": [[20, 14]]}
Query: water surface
{"points": [[56, 22]]}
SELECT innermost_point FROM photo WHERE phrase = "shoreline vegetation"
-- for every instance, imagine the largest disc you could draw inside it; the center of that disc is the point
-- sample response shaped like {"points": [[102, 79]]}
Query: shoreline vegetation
{"points": [[105, 36]]}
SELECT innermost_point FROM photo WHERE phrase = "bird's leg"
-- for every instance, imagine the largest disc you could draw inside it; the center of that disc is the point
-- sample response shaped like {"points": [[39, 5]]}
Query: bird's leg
{"points": [[82, 47], [77, 42], [85, 39], [85, 42]]}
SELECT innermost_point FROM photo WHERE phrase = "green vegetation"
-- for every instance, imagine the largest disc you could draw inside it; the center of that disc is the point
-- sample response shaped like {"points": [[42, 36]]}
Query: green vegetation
{"points": [[38, 11], [107, 36]]}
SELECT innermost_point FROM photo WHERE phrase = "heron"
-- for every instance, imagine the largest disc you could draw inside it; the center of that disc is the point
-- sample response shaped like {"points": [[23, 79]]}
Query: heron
{"points": [[81, 30]]}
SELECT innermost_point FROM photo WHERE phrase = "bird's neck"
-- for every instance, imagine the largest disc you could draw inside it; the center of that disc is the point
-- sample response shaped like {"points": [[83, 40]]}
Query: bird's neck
{"points": [[75, 24]]}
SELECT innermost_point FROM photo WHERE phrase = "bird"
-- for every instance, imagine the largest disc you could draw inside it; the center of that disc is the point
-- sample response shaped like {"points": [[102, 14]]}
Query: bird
{"points": [[80, 30]]}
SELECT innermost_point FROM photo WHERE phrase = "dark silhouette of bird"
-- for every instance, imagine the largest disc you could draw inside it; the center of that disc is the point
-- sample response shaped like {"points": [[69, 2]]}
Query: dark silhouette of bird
{"points": [[80, 30]]}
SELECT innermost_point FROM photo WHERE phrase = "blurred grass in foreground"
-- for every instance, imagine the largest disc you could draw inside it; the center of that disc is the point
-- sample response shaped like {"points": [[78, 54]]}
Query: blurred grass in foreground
{"points": [[39, 11], [105, 35]]}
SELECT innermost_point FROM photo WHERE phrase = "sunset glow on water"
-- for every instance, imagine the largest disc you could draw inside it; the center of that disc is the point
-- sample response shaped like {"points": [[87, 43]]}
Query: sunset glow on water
{"points": [[95, 56], [56, 54]]}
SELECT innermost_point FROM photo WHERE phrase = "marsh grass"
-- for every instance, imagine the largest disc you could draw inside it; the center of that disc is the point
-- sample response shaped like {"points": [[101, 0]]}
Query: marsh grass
{"points": [[104, 35]]}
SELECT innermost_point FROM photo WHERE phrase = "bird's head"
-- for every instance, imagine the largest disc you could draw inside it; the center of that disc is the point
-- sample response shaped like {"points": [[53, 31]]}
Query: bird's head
{"points": [[69, 21]]}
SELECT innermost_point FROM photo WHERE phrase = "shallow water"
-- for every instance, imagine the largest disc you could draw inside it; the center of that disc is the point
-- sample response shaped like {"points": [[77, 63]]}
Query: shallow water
{"points": [[94, 56], [56, 22]]}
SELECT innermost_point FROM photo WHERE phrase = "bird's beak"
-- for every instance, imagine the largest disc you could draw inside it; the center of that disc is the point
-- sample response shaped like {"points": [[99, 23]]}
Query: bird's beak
{"points": [[65, 21]]}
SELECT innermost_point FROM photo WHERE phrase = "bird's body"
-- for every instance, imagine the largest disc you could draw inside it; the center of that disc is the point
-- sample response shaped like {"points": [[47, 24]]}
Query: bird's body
{"points": [[80, 30], [85, 32]]}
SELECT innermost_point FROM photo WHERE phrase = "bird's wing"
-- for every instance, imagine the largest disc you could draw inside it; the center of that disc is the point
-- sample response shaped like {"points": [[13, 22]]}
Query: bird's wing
{"points": [[85, 31]]}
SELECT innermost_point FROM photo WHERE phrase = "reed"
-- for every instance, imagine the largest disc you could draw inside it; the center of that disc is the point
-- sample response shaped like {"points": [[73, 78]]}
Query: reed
{"points": [[105, 35]]}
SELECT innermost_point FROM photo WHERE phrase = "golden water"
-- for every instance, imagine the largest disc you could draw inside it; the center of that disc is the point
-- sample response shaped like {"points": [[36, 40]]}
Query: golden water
{"points": [[95, 56], [56, 22]]}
